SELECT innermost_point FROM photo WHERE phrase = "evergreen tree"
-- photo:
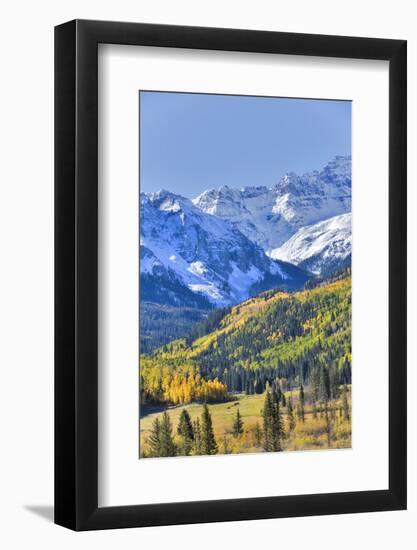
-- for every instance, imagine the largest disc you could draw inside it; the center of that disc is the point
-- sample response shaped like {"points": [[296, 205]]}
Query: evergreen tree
{"points": [[208, 442], [324, 384], [301, 398], [267, 422], [334, 382], [167, 445], [259, 387], [279, 433], [197, 443], [328, 424], [277, 393], [154, 439], [185, 431], [238, 424], [273, 427], [290, 412], [345, 404]]}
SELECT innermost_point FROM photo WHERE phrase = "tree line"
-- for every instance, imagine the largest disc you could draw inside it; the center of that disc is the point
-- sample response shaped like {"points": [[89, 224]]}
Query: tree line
{"points": [[195, 438], [279, 417]]}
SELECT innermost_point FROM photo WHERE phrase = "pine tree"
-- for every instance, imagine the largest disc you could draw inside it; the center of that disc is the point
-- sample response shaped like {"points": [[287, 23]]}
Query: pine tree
{"points": [[278, 428], [328, 424], [334, 382], [154, 439], [345, 405], [301, 398], [185, 431], [238, 424], [197, 443], [277, 393], [290, 412], [208, 442], [167, 445], [273, 426], [267, 421], [324, 384]]}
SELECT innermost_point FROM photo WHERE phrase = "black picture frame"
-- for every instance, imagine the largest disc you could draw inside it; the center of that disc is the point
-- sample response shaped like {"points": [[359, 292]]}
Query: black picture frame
{"points": [[76, 272]]}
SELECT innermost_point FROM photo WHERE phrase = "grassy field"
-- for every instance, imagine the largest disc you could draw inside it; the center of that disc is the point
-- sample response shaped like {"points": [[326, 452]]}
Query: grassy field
{"points": [[307, 435]]}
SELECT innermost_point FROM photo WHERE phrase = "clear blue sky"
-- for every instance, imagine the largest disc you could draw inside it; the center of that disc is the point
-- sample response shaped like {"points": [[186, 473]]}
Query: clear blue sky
{"points": [[193, 142]]}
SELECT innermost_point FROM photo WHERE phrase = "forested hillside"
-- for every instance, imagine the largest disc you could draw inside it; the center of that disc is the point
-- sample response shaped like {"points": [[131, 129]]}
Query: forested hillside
{"points": [[270, 374], [296, 338]]}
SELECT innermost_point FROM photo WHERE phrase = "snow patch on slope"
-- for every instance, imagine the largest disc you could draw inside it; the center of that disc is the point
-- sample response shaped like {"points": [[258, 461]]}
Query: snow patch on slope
{"points": [[318, 246], [206, 254], [270, 216]]}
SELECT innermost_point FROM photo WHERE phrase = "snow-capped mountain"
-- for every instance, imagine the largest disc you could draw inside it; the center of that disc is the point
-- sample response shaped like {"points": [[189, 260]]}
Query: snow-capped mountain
{"points": [[189, 257], [319, 248], [270, 216], [228, 244]]}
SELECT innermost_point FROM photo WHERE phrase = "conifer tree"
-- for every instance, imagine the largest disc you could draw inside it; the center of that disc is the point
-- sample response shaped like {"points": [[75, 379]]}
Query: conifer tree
{"points": [[167, 445], [267, 422], [208, 442], [154, 439], [324, 384], [290, 412], [278, 427], [185, 431], [273, 426], [237, 424], [334, 382], [197, 443], [345, 404], [277, 393], [301, 398], [328, 424]]}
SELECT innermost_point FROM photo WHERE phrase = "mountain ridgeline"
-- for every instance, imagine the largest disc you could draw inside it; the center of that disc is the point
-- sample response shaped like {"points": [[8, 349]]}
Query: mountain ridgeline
{"points": [[293, 339], [228, 245]]}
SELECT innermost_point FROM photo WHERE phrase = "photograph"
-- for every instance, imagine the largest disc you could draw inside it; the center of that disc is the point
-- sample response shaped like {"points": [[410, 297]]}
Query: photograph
{"points": [[209, 275], [245, 274]]}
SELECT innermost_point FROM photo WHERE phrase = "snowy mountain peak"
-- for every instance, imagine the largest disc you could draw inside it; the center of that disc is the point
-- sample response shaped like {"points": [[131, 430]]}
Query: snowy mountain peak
{"points": [[165, 200], [184, 249], [228, 243], [270, 217], [319, 248]]}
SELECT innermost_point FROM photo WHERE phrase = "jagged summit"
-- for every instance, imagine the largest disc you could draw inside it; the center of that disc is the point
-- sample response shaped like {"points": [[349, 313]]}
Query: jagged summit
{"points": [[227, 243], [185, 249], [270, 216]]}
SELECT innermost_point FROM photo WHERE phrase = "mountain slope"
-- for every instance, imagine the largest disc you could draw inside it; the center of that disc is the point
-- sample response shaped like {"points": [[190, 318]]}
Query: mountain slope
{"points": [[319, 248], [270, 217], [188, 255], [293, 337]]}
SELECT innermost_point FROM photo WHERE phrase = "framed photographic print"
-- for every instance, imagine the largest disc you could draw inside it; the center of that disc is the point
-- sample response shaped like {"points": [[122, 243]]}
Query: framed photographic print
{"points": [[230, 235]]}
